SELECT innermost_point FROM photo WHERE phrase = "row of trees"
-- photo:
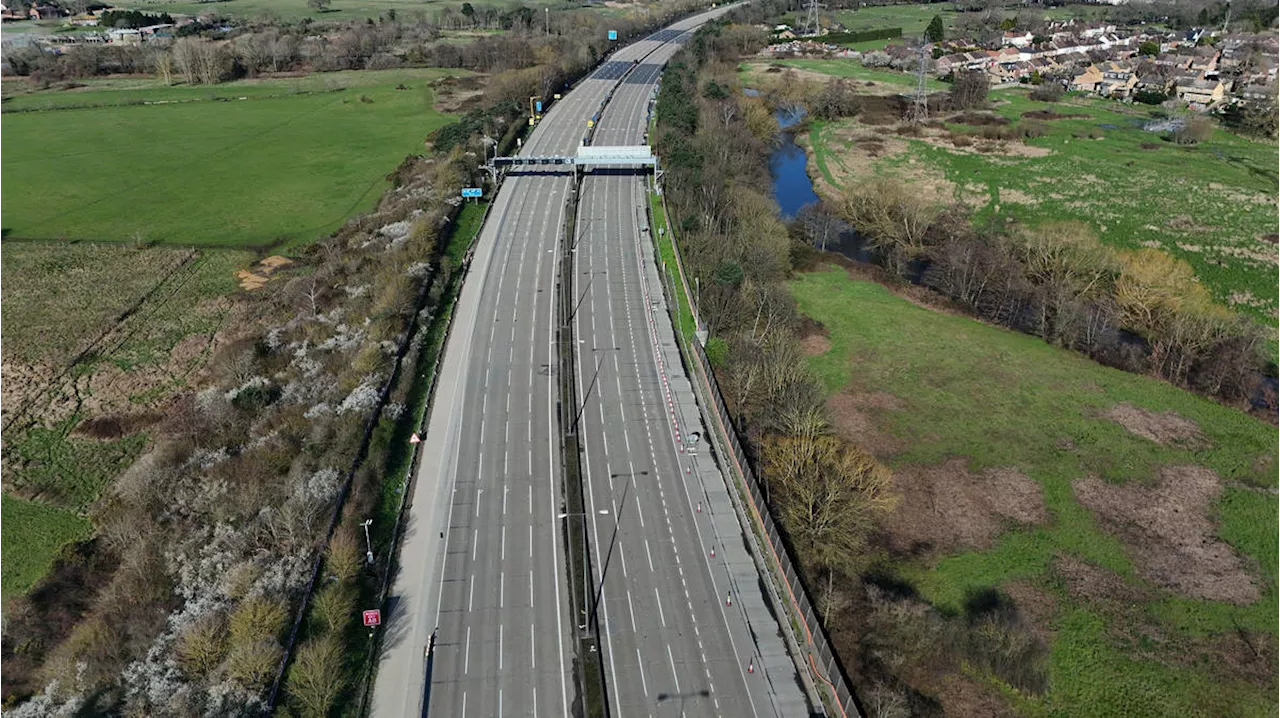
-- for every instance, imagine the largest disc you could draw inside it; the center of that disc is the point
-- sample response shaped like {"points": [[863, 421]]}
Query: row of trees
{"points": [[1142, 311], [715, 143]]}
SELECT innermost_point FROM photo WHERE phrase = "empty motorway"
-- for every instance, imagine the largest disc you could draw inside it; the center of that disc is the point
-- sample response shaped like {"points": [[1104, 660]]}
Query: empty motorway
{"points": [[482, 563]]}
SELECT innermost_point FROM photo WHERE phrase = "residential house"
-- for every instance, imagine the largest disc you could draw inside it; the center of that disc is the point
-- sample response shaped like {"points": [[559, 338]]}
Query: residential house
{"points": [[1199, 93], [1259, 92], [1086, 81], [1118, 80], [1153, 83], [1175, 63], [1016, 39], [1203, 60]]}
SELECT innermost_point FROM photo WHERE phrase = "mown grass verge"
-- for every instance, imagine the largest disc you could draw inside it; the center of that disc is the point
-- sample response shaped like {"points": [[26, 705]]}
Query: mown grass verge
{"points": [[667, 252]]}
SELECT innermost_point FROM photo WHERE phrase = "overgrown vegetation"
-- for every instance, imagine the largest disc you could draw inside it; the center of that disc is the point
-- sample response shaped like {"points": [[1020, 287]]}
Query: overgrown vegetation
{"points": [[993, 569], [714, 146]]}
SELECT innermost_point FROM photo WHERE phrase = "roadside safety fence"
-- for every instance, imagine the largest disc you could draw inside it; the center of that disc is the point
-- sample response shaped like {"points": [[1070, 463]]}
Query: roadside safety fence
{"points": [[824, 664]]}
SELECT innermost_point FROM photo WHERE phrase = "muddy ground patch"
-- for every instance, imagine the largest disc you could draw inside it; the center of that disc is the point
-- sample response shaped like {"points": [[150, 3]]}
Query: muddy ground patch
{"points": [[1166, 428], [945, 507], [1168, 532]]}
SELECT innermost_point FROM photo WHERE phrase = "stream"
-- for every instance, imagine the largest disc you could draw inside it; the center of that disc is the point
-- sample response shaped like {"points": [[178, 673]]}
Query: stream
{"points": [[792, 188]]}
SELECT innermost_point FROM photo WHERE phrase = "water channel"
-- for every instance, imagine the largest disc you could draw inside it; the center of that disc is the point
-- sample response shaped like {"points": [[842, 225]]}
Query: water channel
{"points": [[792, 188]]}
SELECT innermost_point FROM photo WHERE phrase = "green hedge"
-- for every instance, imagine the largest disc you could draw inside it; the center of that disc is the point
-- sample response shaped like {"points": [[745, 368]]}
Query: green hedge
{"points": [[884, 33]]}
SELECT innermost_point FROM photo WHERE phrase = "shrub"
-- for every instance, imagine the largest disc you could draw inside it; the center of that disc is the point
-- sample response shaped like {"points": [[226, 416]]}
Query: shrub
{"points": [[203, 645], [252, 664], [316, 678], [1196, 128], [717, 351], [257, 618], [1047, 92]]}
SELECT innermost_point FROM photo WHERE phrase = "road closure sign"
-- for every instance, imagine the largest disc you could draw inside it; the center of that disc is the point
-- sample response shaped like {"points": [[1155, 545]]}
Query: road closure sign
{"points": [[613, 34], [471, 193], [373, 618]]}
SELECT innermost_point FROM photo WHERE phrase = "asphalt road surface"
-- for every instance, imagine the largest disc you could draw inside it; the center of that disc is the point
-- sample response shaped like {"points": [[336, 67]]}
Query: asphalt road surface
{"points": [[671, 645], [482, 559]]}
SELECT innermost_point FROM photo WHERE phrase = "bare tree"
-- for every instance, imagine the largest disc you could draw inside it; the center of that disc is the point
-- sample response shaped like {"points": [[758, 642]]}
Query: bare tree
{"points": [[162, 62], [969, 89], [895, 219], [186, 58]]}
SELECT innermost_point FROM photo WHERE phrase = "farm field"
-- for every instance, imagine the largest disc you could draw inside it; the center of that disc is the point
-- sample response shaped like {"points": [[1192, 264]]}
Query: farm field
{"points": [[1212, 204], [294, 9], [1031, 472], [245, 164], [913, 19]]}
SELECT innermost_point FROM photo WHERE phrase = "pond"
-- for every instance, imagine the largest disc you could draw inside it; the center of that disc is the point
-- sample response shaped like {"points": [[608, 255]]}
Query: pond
{"points": [[792, 188]]}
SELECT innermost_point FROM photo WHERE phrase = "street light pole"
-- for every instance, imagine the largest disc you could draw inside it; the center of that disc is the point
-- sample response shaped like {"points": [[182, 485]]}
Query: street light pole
{"points": [[369, 553]]}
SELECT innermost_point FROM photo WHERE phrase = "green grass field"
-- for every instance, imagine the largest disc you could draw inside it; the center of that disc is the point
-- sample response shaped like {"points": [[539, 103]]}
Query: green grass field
{"points": [[34, 535], [1003, 399], [913, 19], [287, 163]]}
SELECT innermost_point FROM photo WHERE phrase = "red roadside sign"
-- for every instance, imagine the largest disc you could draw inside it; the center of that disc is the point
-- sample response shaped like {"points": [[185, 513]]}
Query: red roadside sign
{"points": [[373, 618]]}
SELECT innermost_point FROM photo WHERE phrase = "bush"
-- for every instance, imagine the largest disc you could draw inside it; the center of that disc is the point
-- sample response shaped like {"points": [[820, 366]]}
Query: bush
{"points": [[1047, 92], [253, 664], [203, 645], [1150, 97], [257, 618], [717, 352], [316, 677], [1196, 128]]}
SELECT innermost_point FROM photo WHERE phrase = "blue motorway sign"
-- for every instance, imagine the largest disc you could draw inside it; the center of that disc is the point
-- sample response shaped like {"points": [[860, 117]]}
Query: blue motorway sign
{"points": [[613, 34], [537, 106], [471, 192]]}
